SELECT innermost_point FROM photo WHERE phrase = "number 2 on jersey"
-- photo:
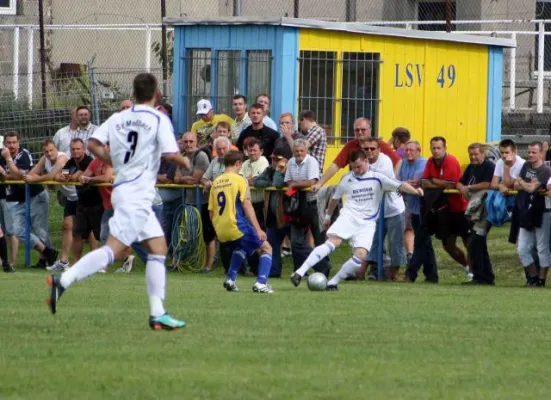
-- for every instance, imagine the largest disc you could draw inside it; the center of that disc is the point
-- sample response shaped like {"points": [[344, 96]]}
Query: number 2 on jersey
{"points": [[133, 140], [221, 202]]}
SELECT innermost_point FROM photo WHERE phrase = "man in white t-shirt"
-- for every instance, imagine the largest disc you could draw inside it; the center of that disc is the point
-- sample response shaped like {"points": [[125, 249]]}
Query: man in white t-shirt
{"points": [[507, 168], [138, 138], [363, 189], [395, 218]]}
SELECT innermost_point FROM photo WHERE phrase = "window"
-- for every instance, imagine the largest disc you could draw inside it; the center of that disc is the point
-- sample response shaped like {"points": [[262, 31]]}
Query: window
{"points": [[359, 91], [228, 66], [434, 11], [543, 11], [317, 86], [259, 73], [199, 80], [8, 7]]}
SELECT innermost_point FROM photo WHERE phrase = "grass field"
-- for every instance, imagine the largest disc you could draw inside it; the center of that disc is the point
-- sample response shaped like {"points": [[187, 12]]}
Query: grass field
{"points": [[367, 341]]}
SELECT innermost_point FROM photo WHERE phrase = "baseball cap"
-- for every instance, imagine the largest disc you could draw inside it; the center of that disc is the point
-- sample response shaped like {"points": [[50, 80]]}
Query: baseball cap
{"points": [[203, 107]]}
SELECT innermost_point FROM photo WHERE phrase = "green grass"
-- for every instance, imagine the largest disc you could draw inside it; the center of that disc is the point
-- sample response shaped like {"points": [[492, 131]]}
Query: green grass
{"points": [[367, 341]]}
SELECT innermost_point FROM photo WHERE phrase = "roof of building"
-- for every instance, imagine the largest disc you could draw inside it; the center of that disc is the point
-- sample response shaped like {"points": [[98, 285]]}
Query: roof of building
{"points": [[354, 27]]}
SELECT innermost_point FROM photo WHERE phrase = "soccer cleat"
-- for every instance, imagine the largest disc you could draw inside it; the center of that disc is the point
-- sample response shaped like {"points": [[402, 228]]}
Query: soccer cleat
{"points": [[262, 288], [55, 292], [295, 279], [127, 265], [7, 268], [285, 252], [59, 266], [332, 288], [230, 285], [165, 322]]}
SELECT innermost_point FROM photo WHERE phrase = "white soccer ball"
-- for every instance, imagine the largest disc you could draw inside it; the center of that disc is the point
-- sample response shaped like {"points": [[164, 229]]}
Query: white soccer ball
{"points": [[317, 282]]}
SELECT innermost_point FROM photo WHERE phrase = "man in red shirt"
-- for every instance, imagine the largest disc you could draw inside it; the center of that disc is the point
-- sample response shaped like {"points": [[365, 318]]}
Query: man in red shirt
{"points": [[362, 130], [443, 172]]}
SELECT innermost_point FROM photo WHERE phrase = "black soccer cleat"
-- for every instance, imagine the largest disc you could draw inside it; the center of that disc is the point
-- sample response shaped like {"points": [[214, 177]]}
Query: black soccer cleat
{"points": [[295, 279], [55, 292], [332, 288], [7, 268]]}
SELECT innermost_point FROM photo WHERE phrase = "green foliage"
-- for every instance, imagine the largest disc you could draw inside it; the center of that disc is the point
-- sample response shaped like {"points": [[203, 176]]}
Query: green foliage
{"points": [[157, 49]]}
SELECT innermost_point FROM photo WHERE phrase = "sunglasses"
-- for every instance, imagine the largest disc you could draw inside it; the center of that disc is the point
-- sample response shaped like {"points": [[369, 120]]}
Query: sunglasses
{"points": [[369, 148]]}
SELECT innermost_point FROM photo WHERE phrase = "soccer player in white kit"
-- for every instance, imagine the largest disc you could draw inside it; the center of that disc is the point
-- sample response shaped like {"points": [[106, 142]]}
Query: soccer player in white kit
{"points": [[363, 191], [138, 138]]}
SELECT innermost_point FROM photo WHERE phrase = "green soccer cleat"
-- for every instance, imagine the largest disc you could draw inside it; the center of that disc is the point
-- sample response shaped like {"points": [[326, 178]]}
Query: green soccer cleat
{"points": [[165, 322]]}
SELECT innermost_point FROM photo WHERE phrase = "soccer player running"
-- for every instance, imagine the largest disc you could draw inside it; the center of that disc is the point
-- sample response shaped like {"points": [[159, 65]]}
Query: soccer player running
{"points": [[138, 138], [363, 191], [235, 223]]}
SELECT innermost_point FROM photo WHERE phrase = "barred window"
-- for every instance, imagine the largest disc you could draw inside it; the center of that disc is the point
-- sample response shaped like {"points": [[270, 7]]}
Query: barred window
{"points": [[259, 73], [228, 79], [317, 86], [360, 90], [199, 80]]}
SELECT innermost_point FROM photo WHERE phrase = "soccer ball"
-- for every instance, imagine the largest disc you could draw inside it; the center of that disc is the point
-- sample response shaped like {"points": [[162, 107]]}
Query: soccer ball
{"points": [[317, 282]]}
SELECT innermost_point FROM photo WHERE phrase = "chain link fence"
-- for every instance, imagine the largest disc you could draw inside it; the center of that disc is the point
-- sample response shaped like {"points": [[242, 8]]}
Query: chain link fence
{"points": [[115, 42]]}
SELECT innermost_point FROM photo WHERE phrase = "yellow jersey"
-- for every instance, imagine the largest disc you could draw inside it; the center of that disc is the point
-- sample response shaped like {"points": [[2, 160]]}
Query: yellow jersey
{"points": [[204, 130], [227, 194]]}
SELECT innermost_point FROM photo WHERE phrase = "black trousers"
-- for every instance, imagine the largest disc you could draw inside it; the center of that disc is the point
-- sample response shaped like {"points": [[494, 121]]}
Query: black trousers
{"points": [[423, 253], [299, 242], [481, 264]]}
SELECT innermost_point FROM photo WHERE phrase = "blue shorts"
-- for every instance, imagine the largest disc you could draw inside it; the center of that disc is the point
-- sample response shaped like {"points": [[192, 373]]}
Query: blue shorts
{"points": [[249, 242]]}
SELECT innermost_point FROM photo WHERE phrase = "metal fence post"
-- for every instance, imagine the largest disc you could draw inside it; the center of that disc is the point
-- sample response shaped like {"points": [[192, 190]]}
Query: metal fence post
{"points": [[30, 61], [541, 66], [16, 63], [148, 48], [513, 73], [198, 197], [381, 239], [27, 226], [93, 94]]}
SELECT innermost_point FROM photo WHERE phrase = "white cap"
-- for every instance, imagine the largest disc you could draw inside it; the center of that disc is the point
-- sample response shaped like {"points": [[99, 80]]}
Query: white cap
{"points": [[203, 107]]}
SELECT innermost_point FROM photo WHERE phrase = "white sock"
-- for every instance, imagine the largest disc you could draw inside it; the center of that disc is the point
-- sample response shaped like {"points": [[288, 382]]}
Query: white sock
{"points": [[88, 265], [155, 275], [315, 257], [347, 269]]}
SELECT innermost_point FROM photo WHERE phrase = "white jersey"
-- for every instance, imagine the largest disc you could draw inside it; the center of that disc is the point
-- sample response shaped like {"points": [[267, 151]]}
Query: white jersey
{"points": [[137, 138], [364, 194], [69, 191]]}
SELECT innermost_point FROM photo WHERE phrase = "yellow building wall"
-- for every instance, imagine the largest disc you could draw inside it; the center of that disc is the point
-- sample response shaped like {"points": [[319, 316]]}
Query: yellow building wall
{"points": [[433, 88]]}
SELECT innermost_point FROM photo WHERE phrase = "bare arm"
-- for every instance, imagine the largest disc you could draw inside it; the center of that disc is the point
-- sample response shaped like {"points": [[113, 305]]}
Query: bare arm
{"points": [[529, 187], [178, 159], [408, 189], [35, 173], [397, 168], [333, 169], [434, 183], [107, 176], [301, 184], [99, 151]]}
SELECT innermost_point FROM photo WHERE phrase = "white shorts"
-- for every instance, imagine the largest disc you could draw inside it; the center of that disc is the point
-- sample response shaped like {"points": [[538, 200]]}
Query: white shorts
{"points": [[133, 221], [358, 232]]}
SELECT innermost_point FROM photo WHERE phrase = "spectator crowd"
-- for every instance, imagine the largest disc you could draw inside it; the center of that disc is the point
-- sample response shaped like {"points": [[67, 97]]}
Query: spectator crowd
{"points": [[290, 155]]}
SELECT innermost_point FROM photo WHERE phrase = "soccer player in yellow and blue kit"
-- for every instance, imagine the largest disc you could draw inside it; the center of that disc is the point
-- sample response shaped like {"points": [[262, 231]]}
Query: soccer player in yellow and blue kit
{"points": [[235, 222]]}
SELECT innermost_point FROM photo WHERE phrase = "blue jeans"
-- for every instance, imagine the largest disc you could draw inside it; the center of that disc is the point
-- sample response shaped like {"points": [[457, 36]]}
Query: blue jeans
{"points": [[394, 227], [40, 208], [275, 238]]}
